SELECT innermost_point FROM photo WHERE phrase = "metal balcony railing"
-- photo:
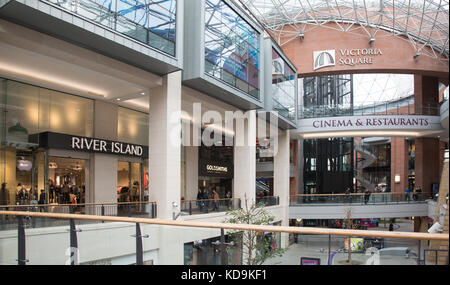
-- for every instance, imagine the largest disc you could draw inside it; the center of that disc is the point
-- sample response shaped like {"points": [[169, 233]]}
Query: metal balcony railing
{"points": [[268, 200], [368, 109], [323, 245], [357, 198], [205, 206], [125, 209]]}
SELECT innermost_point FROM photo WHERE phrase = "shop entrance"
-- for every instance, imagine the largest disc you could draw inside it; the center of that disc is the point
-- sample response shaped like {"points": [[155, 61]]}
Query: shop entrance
{"points": [[222, 185], [66, 180], [28, 177], [130, 182]]}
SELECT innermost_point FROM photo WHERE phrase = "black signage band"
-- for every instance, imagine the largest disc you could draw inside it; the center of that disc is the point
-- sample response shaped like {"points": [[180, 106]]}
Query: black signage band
{"points": [[215, 169], [78, 143]]}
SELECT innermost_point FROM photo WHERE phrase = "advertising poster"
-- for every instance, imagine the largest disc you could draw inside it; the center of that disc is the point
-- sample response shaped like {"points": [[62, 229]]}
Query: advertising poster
{"points": [[309, 261], [356, 244]]}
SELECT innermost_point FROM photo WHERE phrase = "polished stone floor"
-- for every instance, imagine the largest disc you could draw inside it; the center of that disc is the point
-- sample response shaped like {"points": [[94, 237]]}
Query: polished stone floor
{"points": [[317, 247]]}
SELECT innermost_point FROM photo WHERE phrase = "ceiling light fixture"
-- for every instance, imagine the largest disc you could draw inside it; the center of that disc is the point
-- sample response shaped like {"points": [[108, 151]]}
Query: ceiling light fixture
{"points": [[51, 79], [360, 133]]}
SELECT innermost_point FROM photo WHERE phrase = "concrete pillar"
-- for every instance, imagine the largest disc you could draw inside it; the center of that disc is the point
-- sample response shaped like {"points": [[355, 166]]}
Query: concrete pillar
{"points": [[191, 172], [294, 186], [165, 161], [399, 164], [103, 167], [427, 162], [301, 166], [281, 180], [426, 95], [165, 145], [244, 182]]}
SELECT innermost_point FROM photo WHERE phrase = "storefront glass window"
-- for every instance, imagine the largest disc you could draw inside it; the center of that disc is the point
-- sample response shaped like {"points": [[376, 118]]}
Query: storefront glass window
{"points": [[145, 177], [232, 48], [26, 110], [129, 182], [132, 126]]}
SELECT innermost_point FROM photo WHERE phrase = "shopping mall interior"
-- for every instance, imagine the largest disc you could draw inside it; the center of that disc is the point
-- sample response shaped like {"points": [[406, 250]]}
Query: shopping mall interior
{"points": [[327, 114]]}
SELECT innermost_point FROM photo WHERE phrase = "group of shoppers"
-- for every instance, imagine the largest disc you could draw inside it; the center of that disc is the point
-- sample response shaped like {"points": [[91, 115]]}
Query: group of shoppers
{"points": [[415, 195], [64, 194], [205, 197]]}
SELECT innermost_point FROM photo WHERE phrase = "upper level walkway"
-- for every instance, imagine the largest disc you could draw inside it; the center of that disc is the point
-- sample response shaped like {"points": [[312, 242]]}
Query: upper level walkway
{"points": [[378, 205]]}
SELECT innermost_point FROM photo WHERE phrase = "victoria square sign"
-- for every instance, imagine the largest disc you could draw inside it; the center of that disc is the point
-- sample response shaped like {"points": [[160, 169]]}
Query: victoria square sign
{"points": [[351, 57], [382, 122]]}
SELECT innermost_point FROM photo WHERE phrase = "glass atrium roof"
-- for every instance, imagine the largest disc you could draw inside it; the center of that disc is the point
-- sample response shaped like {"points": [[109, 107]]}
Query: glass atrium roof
{"points": [[380, 88], [421, 22]]}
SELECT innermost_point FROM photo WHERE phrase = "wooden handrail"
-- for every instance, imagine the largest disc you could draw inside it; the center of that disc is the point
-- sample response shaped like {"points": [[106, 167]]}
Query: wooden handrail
{"points": [[242, 227]]}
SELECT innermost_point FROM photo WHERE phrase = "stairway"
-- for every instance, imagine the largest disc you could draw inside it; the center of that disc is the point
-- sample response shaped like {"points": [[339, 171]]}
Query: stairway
{"points": [[366, 159], [261, 186]]}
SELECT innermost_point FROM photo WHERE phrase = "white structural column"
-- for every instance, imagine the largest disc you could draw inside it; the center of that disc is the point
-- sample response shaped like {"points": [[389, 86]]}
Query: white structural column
{"points": [[103, 167], [281, 179], [165, 162], [191, 172], [244, 182], [164, 145]]}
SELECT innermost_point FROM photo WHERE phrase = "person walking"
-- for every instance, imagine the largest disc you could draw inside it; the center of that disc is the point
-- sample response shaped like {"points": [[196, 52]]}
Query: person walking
{"points": [[391, 227], [419, 194], [65, 192], [4, 200], [366, 196], [347, 195], [42, 201], [407, 193], [216, 198], [51, 191], [199, 200], [228, 197], [206, 199], [22, 195], [4, 196]]}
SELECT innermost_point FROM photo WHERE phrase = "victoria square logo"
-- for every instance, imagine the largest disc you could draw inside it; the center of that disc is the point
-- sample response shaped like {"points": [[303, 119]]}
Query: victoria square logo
{"points": [[226, 128], [324, 58]]}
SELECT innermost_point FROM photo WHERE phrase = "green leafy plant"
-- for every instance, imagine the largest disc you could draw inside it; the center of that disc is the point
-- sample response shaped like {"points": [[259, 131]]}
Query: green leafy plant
{"points": [[256, 246]]}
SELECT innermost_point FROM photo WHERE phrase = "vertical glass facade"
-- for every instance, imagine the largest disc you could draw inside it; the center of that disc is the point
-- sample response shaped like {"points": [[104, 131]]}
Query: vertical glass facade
{"points": [[327, 162], [283, 87], [148, 21], [327, 96], [232, 48], [27, 110], [132, 126]]}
